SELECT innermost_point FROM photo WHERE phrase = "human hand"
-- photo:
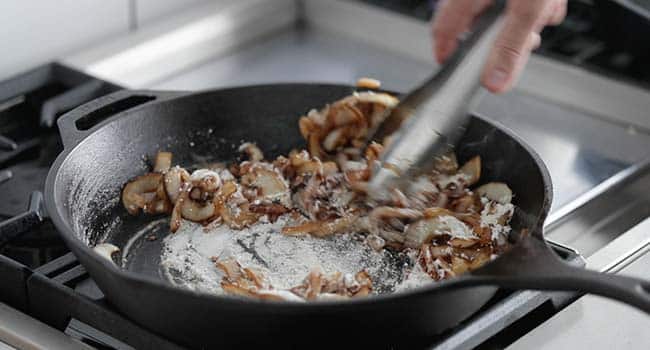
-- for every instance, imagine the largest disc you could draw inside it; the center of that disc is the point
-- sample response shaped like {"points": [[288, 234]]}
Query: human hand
{"points": [[523, 21]]}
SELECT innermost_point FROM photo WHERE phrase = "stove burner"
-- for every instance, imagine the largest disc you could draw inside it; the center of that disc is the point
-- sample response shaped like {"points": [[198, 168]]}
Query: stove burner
{"points": [[14, 227], [29, 142], [29, 106], [601, 36]]}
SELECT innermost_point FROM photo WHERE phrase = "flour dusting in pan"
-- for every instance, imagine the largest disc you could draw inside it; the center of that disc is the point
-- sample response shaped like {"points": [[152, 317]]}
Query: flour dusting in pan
{"points": [[285, 260], [299, 227]]}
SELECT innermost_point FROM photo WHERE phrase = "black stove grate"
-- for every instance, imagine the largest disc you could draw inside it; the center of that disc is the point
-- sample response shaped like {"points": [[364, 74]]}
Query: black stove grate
{"points": [[61, 291], [30, 103]]}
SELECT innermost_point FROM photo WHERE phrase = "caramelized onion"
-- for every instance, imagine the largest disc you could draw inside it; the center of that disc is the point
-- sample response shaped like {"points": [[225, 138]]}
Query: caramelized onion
{"points": [[163, 162], [471, 170]]}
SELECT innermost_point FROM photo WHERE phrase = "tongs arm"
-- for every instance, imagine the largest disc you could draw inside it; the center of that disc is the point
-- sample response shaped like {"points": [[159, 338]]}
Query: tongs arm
{"points": [[430, 120]]}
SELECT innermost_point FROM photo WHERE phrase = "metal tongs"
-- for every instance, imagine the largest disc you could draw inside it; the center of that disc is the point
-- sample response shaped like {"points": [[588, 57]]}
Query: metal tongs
{"points": [[430, 120]]}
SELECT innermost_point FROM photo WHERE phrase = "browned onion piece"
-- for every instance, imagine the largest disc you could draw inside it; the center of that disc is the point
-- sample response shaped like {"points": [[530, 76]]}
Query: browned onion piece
{"points": [[322, 228], [306, 126], [273, 210], [177, 216], [269, 185], [315, 146], [314, 285], [447, 164], [163, 162], [235, 289], [421, 232], [133, 195], [471, 170], [463, 243], [375, 242], [173, 180], [159, 206], [341, 114], [382, 99], [435, 212], [334, 139], [381, 213], [228, 189], [468, 203], [252, 151], [197, 212], [237, 217], [206, 180], [436, 223], [368, 83]]}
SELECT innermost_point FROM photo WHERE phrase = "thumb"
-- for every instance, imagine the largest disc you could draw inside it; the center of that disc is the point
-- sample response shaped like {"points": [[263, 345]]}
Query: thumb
{"points": [[510, 53]]}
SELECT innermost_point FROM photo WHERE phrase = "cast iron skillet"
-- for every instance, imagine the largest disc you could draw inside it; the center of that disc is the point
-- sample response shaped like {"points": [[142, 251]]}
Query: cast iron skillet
{"points": [[101, 155]]}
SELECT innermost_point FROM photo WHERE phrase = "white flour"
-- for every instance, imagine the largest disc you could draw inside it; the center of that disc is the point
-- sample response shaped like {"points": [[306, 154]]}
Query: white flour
{"points": [[286, 260], [490, 216]]}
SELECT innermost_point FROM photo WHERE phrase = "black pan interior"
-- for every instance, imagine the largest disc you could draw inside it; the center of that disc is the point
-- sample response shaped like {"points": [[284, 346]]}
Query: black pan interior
{"points": [[209, 126]]}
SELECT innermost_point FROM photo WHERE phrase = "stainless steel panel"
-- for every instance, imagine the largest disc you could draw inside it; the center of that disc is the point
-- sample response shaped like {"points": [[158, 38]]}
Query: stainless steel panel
{"points": [[4, 346], [598, 323], [605, 218], [151, 10], [580, 151], [23, 332], [303, 56]]}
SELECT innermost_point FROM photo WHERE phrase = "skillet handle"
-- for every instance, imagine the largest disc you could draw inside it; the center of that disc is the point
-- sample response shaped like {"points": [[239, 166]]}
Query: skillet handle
{"points": [[80, 122], [533, 265]]}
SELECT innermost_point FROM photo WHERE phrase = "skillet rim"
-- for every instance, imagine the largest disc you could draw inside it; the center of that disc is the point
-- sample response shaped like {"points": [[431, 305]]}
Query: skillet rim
{"points": [[70, 237]]}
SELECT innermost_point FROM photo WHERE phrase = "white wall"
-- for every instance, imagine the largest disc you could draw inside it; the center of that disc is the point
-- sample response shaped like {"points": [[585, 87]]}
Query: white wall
{"points": [[36, 31], [33, 32]]}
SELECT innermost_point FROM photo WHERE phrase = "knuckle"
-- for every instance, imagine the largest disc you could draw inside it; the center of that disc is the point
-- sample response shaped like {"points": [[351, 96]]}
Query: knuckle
{"points": [[441, 32], [508, 53]]}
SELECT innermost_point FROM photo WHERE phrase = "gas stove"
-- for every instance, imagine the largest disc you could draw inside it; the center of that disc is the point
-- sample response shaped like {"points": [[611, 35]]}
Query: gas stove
{"points": [[590, 129], [29, 143], [42, 279]]}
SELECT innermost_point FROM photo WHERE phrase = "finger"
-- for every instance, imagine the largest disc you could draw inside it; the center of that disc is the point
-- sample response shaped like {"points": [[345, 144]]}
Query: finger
{"points": [[513, 44], [558, 12], [546, 14], [535, 41], [553, 14], [453, 17], [509, 55]]}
